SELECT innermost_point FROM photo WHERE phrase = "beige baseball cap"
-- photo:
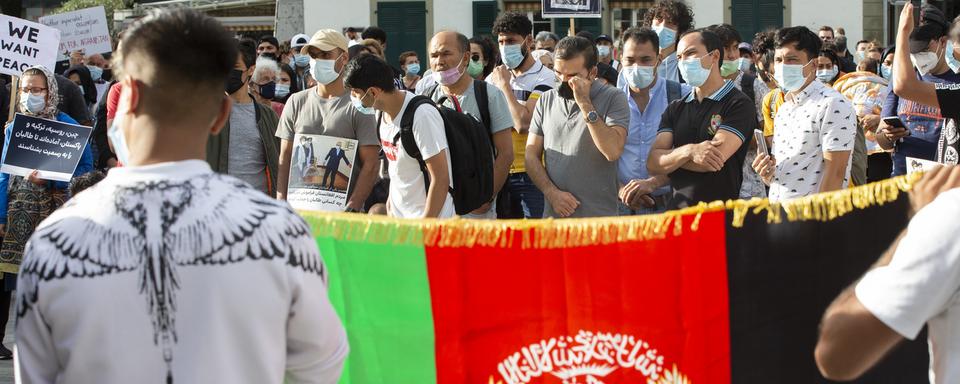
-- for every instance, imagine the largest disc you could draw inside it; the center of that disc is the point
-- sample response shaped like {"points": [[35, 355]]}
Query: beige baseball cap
{"points": [[327, 40]]}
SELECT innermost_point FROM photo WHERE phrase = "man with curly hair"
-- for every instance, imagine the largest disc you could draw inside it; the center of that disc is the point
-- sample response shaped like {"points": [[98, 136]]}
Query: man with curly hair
{"points": [[669, 18]]}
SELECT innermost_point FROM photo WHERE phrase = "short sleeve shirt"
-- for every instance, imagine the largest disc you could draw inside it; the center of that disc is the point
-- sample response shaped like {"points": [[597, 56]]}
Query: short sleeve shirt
{"points": [[527, 88], [500, 118], [921, 285], [408, 194], [572, 159], [815, 120], [308, 113], [692, 122], [948, 147]]}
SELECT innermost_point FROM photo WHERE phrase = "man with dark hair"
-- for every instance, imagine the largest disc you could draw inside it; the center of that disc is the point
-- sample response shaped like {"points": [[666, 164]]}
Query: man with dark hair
{"points": [[269, 47], [449, 57], [547, 41], [826, 34], [924, 122], [701, 141], [815, 128], [605, 50], [200, 268], [377, 34], [300, 61], [648, 96], [917, 281], [371, 89], [576, 137], [246, 147], [669, 18], [326, 110], [846, 58], [522, 79], [751, 86]]}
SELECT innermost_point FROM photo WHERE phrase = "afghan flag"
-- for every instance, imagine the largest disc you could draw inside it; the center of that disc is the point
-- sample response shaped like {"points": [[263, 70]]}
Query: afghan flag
{"points": [[722, 293]]}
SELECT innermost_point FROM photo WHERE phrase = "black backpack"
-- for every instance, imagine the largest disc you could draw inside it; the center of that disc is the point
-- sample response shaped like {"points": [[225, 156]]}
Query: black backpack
{"points": [[479, 92], [468, 142]]}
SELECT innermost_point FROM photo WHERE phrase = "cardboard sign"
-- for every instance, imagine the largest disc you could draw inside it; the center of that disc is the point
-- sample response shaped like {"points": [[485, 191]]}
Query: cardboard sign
{"points": [[571, 8], [84, 30], [915, 165], [320, 172], [24, 44], [49, 146]]}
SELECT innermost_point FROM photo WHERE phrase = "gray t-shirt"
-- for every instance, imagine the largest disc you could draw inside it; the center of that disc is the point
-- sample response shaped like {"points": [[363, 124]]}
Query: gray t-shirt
{"points": [[247, 157], [308, 113], [573, 162], [500, 118]]}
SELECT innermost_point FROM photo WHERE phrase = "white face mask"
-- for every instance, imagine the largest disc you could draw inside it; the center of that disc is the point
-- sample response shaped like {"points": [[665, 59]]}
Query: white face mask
{"points": [[324, 71], [925, 61], [119, 141]]}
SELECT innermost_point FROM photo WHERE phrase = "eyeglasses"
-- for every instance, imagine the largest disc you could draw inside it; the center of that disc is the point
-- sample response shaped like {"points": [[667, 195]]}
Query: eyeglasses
{"points": [[34, 91]]}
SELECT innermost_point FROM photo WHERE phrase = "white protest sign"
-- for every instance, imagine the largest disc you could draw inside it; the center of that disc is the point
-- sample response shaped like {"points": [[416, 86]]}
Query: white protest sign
{"points": [[24, 44], [85, 30]]}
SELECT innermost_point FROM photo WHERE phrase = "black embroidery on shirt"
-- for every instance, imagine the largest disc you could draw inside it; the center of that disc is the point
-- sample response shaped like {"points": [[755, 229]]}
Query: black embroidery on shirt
{"points": [[208, 220]]}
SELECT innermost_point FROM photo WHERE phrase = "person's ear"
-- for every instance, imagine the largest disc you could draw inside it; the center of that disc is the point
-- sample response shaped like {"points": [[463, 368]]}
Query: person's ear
{"points": [[226, 104], [129, 96]]}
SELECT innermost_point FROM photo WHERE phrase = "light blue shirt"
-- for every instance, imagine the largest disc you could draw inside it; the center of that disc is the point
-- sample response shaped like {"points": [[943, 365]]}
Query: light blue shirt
{"points": [[668, 68], [643, 132]]}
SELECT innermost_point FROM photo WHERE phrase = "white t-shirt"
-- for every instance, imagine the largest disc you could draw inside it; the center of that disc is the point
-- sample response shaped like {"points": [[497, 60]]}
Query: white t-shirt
{"points": [[921, 285], [173, 271], [408, 195]]}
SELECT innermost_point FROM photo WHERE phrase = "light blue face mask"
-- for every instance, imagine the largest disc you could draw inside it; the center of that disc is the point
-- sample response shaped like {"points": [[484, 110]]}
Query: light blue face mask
{"points": [[282, 91], [95, 72], [33, 103], [826, 75], [512, 55], [667, 36], [951, 60], [413, 69], [693, 71], [358, 104], [886, 71], [301, 61], [603, 50], [638, 76], [790, 76], [119, 141]]}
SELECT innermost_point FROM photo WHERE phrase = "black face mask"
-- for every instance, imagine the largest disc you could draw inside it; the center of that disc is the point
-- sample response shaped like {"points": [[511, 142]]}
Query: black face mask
{"points": [[235, 81], [565, 91], [268, 90]]}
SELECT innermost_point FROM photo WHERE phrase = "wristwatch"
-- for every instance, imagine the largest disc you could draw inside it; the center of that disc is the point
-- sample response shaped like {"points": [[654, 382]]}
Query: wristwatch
{"points": [[591, 117]]}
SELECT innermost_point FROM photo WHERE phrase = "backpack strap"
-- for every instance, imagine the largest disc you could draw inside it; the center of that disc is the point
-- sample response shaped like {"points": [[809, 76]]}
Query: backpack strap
{"points": [[673, 91], [746, 85], [430, 91], [405, 136], [483, 102]]}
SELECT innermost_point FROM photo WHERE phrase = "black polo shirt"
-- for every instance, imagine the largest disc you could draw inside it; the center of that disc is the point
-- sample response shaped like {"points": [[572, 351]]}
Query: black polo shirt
{"points": [[693, 122]]}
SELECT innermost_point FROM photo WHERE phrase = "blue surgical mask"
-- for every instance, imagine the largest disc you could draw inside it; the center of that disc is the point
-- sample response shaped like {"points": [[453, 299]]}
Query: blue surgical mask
{"points": [[667, 36], [638, 76], [886, 71], [826, 75], [95, 72], [789, 76], [693, 71], [512, 55], [119, 141], [324, 71], [301, 61], [951, 60], [413, 69], [33, 103], [603, 50], [282, 90], [358, 104], [744, 64]]}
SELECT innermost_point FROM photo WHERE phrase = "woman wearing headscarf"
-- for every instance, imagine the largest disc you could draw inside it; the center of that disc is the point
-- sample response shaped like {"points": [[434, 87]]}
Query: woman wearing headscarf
{"points": [[26, 201], [80, 75]]}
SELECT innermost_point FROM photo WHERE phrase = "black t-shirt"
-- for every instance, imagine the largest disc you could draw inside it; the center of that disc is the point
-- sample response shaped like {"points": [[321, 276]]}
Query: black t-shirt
{"points": [[948, 146], [693, 122]]}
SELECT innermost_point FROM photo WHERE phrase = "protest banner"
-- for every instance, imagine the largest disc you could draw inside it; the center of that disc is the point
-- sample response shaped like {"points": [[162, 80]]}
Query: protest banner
{"points": [[84, 30], [51, 147], [24, 44], [321, 183], [571, 8]]}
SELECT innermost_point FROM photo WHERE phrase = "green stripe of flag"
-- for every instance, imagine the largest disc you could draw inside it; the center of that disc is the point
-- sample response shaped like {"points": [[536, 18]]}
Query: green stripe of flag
{"points": [[388, 318]]}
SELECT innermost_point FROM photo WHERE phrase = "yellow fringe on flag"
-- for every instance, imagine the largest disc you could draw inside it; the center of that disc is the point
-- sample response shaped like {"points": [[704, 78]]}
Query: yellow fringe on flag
{"points": [[567, 233]]}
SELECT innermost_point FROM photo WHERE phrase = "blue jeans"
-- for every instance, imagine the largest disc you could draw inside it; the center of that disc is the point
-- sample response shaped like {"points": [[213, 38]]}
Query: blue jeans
{"points": [[524, 197]]}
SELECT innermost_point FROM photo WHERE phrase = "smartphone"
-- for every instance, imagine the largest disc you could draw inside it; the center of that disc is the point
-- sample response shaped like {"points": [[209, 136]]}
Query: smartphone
{"points": [[761, 141], [894, 121]]}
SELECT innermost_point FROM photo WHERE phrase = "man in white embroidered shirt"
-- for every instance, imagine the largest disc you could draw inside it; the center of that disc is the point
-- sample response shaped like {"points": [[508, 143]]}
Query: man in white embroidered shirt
{"points": [[166, 272], [917, 281], [815, 128]]}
